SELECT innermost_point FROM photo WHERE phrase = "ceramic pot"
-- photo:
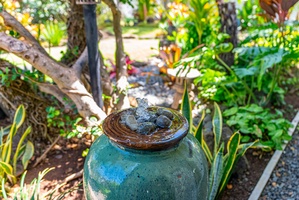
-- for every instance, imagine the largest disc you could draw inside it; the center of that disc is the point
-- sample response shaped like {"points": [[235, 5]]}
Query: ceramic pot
{"points": [[168, 164]]}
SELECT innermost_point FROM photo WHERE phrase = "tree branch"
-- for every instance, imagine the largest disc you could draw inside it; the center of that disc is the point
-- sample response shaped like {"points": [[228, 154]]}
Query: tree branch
{"points": [[81, 62], [10, 21], [67, 79], [54, 91]]}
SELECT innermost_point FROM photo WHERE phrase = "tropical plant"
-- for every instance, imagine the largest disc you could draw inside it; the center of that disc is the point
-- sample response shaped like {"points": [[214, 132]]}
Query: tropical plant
{"points": [[255, 122], [26, 192], [69, 126], [53, 33], [221, 162], [23, 152], [248, 12]]}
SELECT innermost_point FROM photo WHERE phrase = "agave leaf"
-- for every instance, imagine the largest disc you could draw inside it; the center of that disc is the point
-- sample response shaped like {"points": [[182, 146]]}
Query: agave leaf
{"points": [[244, 147], [22, 181], [186, 106], [1, 136], [217, 126], [216, 174], [27, 154], [232, 149], [3, 189], [15, 158], [198, 133], [19, 116], [7, 168], [7, 148], [207, 152], [6, 130]]}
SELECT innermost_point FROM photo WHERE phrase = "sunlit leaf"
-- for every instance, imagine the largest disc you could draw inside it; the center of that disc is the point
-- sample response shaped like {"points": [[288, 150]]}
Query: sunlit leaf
{"points": [[29, 150], [217, 126], [19, 116], [186, 106]]}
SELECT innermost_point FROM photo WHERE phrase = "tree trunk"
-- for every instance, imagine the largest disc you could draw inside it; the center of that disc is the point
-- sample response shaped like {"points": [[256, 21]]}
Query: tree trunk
{"points": [[227, 12], [76, 35], [120, 57]]}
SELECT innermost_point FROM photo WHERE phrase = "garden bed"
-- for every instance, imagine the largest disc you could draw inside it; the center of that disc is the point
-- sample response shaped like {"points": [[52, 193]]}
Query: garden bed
{"points": [[66, 158]]}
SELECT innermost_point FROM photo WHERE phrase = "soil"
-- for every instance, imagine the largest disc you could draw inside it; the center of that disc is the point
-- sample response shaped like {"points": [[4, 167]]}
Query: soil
{"points": [[66, 159]]}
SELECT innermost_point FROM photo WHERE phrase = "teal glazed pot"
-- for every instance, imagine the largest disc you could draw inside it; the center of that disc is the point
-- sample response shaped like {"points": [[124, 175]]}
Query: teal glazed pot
{"points": [[167, 164]]}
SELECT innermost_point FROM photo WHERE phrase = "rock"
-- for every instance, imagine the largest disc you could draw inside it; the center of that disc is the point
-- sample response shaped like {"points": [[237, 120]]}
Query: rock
{"points": [[163, 121], [165, 112], [131, 122], [147, 116], [146, 128]]}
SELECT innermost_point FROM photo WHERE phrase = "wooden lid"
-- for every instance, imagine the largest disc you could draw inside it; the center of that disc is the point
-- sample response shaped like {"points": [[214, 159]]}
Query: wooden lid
{"points": [[160, 139]]}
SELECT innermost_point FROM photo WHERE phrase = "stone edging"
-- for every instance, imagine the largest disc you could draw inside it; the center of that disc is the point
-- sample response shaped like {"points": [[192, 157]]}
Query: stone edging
{"points": [[255, 194]]}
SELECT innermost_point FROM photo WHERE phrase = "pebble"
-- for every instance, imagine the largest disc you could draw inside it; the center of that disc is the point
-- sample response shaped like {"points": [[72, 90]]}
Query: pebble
{"points": [[165, 112], [284, 179], [163, 121], [146, 128], [131, 122]]}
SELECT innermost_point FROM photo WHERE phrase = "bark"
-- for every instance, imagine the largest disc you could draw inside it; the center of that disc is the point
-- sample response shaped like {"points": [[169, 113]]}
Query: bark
{"points": [[227, 12], [12, 22], [121, 68], [67, 79], [76, 41]]}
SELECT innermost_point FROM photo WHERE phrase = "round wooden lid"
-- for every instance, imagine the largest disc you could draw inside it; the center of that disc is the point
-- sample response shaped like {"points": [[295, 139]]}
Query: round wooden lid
{"points": [[161, 139]]}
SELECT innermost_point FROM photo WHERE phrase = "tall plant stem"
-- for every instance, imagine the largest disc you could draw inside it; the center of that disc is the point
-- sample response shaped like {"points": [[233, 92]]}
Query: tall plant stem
{"points": [[236, 77], [273, 84]]}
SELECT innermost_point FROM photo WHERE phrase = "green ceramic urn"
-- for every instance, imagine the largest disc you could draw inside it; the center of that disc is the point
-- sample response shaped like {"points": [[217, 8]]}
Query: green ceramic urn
{"points": [[167, 164]]}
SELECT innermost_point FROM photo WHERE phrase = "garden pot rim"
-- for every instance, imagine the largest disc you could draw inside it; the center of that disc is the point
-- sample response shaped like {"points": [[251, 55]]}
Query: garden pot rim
{"points": [[160, 139]]}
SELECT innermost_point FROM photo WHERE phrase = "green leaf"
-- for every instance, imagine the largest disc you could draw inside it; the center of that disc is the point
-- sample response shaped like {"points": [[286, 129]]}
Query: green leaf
{"points": [[207, 152], [230, 111], [7, 168], [232, 149], [252, 108], [286, 137], [257, 131], [223, 48], [6, 130], [3, 189], [19, 116], [216, 174], [25, 134], [267, 61], [27, 154], [264, 145], [244, 147], [7, 148], [242, 72], [245, 138], [217, 126], [186, 106], [198, 133]]}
